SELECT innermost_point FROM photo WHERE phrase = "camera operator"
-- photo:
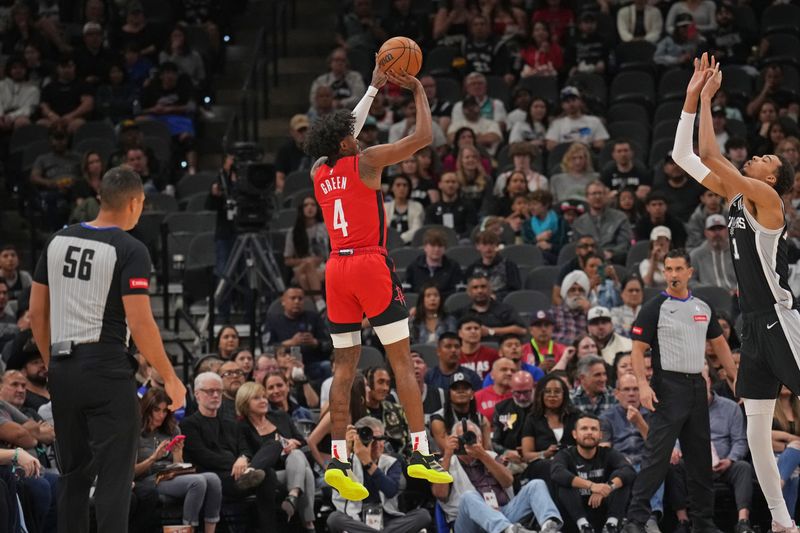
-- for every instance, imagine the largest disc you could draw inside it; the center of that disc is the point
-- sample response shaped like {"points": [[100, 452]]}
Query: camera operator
{"points": [[382, 475], [480, 497], [220, 200]]}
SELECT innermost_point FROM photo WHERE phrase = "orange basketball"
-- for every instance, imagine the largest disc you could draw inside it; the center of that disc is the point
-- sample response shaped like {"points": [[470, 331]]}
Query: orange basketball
{"points": [[398, 54]]}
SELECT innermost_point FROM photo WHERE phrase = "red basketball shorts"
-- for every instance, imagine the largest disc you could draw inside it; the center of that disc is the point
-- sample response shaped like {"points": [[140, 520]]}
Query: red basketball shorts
{"points": [[362, 285]]}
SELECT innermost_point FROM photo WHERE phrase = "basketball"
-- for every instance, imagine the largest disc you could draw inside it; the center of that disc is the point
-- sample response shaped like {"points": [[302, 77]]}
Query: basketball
{"points": [[398, 54]]}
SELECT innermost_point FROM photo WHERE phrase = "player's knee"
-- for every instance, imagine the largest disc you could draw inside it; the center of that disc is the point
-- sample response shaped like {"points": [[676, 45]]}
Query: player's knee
{"points": [[391, 333]]}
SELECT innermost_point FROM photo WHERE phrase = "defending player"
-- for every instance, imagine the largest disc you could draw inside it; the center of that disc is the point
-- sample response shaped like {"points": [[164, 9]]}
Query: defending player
{"points": [[359, 277], [757, 225]]}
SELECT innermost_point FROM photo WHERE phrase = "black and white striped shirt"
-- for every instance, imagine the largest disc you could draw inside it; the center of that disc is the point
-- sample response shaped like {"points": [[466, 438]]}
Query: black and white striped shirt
{"points": [[88, 270]]}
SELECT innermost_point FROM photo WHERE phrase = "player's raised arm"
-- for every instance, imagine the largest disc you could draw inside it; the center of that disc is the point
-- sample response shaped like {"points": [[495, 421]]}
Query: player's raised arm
{"points": [[373, 160], [682, 150], [361, 110], [730, 178]]}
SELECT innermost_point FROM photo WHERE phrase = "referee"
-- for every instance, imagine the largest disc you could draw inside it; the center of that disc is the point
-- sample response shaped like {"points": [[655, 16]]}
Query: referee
{"points": [[676, 325], [91, 285]]}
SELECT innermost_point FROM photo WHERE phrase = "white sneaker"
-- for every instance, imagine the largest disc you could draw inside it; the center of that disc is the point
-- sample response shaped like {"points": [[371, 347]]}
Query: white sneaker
{"points": [[777, 528], [652, 525]]}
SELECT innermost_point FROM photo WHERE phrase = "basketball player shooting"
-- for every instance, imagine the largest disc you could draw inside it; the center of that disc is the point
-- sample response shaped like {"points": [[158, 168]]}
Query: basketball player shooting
{"points": [[757, 226], [359, 276]]}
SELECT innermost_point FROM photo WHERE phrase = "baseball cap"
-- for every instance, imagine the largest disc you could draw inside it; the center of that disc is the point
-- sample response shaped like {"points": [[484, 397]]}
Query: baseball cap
{"points": [[370, 123], [459, 377], [298, 122], [598, 313], [570, 91], [684, 19], [660, 231], [715, 220], [90, 27], [575, 205], [542, 316]]}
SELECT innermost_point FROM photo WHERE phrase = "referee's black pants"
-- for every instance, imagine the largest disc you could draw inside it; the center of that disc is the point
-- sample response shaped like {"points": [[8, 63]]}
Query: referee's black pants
{"points": [[96, 415], [681, 413]]}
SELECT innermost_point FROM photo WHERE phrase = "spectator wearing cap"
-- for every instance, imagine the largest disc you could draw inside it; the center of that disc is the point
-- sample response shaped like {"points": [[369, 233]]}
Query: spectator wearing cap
{"points": [[406, 127], [585, 246], [510, 347], [168, 98], [574, 125], [441, 110], [601, 330], [710, 204], [632, 294], [609, 227], [66, 100], [522, 155], [543, 56], [570, 315], [503, 274], [720, 122], [53, 175], [459, 404], [589, 52], [500, 389], [29, 361], [484, 53], [481, 497], [652, 267], [433, 266], [729, 42], [542, 351], [488, 133], [680, 191], [509, 419], [448, 350], [679, 47], [474, 355], [451, 210], [347, 85], [93, 58], [496, 318], [639, 21], [712, 259], [624, 171], [701, 13], [291, 156], [18, 97], [656, 214], [593, 395]]}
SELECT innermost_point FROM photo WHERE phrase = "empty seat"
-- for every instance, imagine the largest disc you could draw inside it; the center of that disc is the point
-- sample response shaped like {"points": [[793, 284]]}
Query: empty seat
{"points": [[665, 130], [25, 135], [448, 89], [33, 150], [668, 111], [672, 85], [160, 202], [658, 151], [154, 128], [542, 278], [738, 84], [566, 254], [195, 202], [528, 302], [428, 353], [297, 181], [189, 184], [393, 239], [498, 88], [593, 87], [524, 255], [456, 301], [370, 357], [633, 86], [439, 61], [638, 133], [780, 18], [285, 219], [628, 111], [542, 87], [95, 129], [201, 250], [402, 257], [635, 55], [637, 253], [464, 255], [783, 48]]}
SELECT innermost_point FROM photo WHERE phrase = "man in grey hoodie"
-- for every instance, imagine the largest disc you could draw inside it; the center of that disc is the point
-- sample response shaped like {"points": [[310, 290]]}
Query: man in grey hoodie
{"points": [[712, 259]]}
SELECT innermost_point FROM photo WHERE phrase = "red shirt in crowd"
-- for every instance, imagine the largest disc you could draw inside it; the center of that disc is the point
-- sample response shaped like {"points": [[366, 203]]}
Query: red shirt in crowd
{"points": [[487, 398], [481, 361]]}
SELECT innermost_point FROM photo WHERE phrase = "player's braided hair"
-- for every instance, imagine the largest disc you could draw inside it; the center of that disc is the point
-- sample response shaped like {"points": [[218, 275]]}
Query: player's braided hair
{"points": [[785, 177], [326, 134]]}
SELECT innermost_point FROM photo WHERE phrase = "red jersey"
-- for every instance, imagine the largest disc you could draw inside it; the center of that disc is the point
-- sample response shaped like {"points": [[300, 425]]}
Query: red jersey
{"points": [[481, 361], [487, 398], [353, 213]]}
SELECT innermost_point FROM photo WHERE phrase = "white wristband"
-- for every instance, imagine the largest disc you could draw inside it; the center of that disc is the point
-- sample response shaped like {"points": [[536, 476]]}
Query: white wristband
{"points": [[372, 91]]}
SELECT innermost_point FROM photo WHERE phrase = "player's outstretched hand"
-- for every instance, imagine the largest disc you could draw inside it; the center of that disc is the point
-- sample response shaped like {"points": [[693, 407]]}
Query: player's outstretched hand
{"points": [[404, 79], [701, 74], [379, 77], [713, 83]]}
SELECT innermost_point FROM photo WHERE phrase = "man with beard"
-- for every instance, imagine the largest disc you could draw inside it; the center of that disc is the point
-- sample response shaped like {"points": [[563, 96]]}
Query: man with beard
{"points": [[486, 398], [570, 316], [682, 194], [601, 329], [713, 258], [509, 419], [390, 414], [29, 361], [585, 246], [232, 378], [479, 499], [511, 349], [593, 482], [496, 318], [593, 394]]}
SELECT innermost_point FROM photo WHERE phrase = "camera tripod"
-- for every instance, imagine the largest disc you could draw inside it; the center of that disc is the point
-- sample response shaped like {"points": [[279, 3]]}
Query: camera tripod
{"points": [[251, 269]]}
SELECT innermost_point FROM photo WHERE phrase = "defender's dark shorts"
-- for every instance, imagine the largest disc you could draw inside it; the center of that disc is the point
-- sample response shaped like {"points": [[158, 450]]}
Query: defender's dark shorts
{"points": [[363, 284], [770, 354]]}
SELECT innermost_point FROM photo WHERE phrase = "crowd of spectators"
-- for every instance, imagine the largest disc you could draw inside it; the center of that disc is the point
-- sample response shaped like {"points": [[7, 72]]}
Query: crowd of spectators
{"points": [[540, 217]]}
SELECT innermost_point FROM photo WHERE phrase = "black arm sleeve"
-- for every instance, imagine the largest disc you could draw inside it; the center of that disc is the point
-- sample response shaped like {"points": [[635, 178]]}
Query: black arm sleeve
{"points": [[134, 268], [714, 329]]}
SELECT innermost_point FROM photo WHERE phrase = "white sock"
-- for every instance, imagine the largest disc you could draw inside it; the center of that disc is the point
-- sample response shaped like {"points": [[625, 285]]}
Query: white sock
{"points": [[759, 438], [612, 521], [581, 522], [339, 450], [419, 441]]}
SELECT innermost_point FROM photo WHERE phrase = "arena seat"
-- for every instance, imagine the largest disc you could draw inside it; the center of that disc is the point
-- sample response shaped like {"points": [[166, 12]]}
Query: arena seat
{"points": [[452, 237], [672, 85], [524, 255], [527, 302], [370, 357], [402, 257], [464, 255], [428, 353], [628, 111], [456, 301], [542, 279]]}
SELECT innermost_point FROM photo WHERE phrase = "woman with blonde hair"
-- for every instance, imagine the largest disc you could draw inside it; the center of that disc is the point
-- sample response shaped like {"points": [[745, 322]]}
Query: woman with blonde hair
{"points": [[475, 182], [577, 171], [259, 430]]}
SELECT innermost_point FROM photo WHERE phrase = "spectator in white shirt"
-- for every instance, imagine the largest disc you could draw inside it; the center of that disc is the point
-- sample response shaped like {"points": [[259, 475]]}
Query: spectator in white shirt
{"points": [[573, 125]]}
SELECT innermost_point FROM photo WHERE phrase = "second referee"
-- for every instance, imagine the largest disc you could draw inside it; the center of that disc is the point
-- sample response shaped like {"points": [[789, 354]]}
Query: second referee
{"points": [[676, 325]]}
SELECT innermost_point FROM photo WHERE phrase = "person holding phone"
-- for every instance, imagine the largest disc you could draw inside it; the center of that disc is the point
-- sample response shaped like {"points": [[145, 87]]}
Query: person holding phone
{"points": [[160, 446]]}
